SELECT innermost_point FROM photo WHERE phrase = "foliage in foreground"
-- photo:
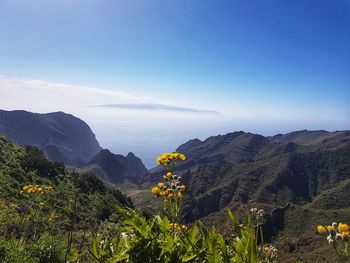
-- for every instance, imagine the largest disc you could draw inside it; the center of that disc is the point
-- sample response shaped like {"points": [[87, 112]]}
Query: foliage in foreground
{"points": [[163, 237], [46, 212]]}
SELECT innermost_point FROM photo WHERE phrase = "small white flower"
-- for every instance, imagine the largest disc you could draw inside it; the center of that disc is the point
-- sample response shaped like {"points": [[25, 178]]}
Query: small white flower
{"points": [[330, 239], [335, 226]]}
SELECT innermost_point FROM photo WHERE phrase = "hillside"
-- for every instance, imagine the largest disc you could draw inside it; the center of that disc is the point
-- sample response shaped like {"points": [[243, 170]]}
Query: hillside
{"points": [[48, 213], [244, 167], [61, 136], [309, 171]]}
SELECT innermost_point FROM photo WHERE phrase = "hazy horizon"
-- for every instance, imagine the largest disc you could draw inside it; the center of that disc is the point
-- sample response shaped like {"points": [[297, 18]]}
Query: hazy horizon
{"points": [[149, 75]]}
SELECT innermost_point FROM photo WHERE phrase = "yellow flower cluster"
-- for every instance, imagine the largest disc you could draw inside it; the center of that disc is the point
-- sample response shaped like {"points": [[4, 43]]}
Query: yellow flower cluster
{"points": [[167, 158], [177, 227], [343, 228], [170, 192], [335, 231], [36, 189]]}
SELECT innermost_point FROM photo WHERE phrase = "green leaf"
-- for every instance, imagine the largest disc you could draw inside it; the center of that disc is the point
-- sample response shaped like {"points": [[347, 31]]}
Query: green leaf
{"points": [[236, 225], [251, 249], [222, 243], [189, 258]]}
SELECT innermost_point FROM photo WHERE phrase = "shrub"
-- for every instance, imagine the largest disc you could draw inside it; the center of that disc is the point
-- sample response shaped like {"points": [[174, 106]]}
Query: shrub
{"points": [[49, 249]]}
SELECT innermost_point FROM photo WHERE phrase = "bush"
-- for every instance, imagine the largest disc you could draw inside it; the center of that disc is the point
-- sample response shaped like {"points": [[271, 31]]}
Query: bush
{"points": [[49, 249]]}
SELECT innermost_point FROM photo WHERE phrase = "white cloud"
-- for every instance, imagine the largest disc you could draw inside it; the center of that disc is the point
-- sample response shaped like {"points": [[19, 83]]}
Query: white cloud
{"points": [[142, 131], [40, 95]]}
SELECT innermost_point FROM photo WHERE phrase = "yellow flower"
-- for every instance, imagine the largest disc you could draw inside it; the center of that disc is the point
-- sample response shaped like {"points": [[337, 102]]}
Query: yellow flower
{"points": [[343, 228], [345, 235], [322, 230], [160, 185], [170, 196], [179, 195], [155, 190], [177, 227], [182, 188], [329, 228], [52, 217], [169, 175], [182, 157]]}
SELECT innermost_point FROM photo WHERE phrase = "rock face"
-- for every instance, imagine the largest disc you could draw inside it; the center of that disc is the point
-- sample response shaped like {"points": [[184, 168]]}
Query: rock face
{"points": [[61, 136], [116, 168], [305, 167]]}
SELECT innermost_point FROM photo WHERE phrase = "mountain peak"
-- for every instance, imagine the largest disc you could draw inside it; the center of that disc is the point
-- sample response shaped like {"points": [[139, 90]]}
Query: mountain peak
{"points": [[131, 155], [117, 168]]}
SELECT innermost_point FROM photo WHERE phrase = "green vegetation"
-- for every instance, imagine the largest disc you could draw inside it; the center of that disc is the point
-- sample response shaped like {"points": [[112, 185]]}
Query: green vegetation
{"points": [[51, 215], [47, 214]]}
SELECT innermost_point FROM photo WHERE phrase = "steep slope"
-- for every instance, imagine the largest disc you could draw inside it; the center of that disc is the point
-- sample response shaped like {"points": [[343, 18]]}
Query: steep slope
{"points": [[61, 136], [116, 168], [56, 204], [246, 168], [300, 179]]}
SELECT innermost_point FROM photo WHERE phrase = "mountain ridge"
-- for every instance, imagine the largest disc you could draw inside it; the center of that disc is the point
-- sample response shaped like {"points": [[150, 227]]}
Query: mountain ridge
{"points": [[245, 167], [63, 137]]}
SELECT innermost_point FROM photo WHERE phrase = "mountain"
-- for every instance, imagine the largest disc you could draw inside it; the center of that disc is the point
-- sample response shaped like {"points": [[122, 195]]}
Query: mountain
{"points": [[61, 136], [244, 167], [300, 179], [116, 168]]}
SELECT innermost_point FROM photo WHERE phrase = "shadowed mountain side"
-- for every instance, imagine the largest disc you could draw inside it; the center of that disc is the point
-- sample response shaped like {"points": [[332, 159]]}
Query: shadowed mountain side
{"points": [[116, 168], [306, 137], [61, 136]]}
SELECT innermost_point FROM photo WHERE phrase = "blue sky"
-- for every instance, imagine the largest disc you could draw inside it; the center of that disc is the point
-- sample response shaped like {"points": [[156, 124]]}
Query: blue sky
{"points": [[280, 64]]}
